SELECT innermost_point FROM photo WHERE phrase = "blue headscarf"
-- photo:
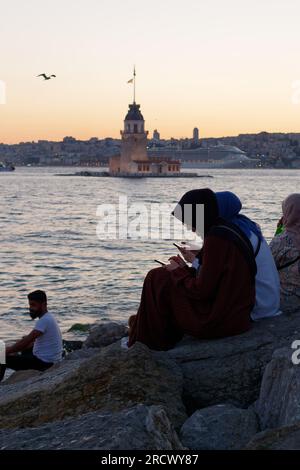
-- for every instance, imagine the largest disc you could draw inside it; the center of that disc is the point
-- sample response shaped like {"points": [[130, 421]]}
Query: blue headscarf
{"points": [[229, 209]]}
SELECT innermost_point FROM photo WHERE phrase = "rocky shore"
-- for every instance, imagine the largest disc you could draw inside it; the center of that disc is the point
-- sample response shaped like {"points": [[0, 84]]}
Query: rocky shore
{"points": [[241, 392]]}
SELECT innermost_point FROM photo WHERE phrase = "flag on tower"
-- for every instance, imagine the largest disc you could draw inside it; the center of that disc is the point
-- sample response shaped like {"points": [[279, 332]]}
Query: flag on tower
{"points": [[132, 79]]}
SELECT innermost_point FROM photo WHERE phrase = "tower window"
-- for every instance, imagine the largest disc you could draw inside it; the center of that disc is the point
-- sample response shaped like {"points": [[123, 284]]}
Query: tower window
{"points": [[135, 128]]}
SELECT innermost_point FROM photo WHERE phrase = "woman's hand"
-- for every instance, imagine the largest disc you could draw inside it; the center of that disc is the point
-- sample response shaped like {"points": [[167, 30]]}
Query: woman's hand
{"points": [[189, 255], [175, 262]]}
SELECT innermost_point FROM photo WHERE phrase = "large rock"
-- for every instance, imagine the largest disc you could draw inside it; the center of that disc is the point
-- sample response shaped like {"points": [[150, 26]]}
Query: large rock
{"points": [[112, 380], [219, 427], [230, 369], [286, 438], [279, 399], [138, 428], [83, 353], [105, 334], [21, 376]]}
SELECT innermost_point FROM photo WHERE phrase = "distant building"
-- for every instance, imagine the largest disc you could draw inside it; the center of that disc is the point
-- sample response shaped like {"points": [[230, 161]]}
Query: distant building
{"points": [[134, 159], [196, 134], [156, 135], [70, 140]]}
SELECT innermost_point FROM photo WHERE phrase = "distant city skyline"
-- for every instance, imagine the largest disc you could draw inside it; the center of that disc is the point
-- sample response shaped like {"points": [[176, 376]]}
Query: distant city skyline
{"points": [[227, 68]]}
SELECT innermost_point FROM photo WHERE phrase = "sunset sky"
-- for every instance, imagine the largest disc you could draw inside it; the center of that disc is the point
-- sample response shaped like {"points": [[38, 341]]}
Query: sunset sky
{"points": [[227, 67]]}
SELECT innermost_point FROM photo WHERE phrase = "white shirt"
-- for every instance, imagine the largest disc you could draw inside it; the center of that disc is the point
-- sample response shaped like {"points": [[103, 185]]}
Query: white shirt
{"points": [[48, 346], [267, 282]]}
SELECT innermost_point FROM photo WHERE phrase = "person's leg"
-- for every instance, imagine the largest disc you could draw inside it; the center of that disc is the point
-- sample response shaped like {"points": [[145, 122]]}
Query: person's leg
{"points": [[23, 362], [27, 352], [154, 324], [2, 371], [15, 362]]}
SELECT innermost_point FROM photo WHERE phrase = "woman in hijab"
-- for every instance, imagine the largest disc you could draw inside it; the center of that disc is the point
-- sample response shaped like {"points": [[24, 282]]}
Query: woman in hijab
{"points": [[286, 251], [267, 282], [213, 302]]}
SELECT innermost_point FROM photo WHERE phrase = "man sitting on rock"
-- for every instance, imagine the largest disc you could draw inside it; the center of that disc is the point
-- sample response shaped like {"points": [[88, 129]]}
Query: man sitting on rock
{"points": [[41, 348]]}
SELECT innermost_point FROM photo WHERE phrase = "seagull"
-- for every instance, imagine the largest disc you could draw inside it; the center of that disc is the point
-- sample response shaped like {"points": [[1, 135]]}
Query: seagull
{"points": [[46, 77]]}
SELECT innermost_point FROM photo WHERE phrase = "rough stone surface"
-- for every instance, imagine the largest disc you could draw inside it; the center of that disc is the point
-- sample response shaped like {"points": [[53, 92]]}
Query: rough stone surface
{"points": [[112, 380], [21, 376], [140, 427], [285, 438], [219, 427], [230, 369], [83, 353], [279, 399], [105, 334]]}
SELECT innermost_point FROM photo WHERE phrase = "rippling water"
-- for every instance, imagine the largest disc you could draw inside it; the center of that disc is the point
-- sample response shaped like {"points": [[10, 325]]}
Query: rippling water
{"points": [[48, 238]]}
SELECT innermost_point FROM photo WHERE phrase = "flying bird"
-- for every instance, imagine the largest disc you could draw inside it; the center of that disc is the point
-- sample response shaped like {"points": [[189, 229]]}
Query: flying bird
{"points": [[46, 77]]}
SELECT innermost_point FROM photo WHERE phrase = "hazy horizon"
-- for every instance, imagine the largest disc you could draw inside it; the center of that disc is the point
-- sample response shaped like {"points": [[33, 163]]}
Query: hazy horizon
{"points": [[226, 68]]}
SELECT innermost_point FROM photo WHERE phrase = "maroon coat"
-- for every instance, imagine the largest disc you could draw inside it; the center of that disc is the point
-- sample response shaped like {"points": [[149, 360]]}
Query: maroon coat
{"points": [[213, 304]]}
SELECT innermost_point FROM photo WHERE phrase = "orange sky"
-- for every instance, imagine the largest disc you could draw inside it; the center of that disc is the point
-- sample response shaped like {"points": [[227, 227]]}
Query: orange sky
{"points": [[225, 67]]}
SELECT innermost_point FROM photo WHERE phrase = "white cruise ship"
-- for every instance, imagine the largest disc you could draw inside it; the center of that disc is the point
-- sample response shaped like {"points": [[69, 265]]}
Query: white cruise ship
{"points": [[218, 156]]}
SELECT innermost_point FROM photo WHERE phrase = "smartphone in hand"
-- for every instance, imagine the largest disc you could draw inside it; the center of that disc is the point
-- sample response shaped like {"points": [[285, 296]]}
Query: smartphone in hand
{"points": [[162, 263], [187, 247], [178, 246]]}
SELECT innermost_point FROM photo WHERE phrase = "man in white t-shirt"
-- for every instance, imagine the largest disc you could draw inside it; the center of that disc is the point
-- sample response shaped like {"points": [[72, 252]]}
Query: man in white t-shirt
{"points": [[43, 346]]}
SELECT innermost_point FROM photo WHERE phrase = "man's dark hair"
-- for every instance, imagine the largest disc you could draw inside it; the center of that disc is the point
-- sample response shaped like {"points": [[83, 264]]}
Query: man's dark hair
{"points": [[38, 296]]}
